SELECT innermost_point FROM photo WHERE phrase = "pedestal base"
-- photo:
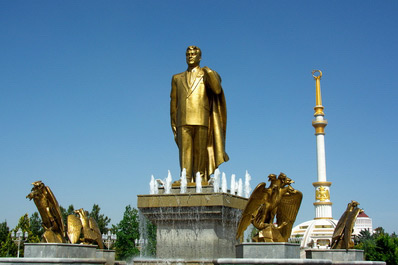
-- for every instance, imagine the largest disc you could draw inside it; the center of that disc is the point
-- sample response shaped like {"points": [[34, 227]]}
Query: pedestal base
{"points": [[335, 254], [193, 226], [59, 250], [62, 254], [266, 250]]}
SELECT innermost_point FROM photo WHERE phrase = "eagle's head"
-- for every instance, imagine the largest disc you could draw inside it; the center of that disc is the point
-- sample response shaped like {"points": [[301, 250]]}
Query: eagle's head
{"points": [[271, 177], [36, 191]]}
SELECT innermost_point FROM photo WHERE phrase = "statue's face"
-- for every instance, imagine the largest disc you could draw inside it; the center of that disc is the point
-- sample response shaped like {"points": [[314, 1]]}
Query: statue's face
{"points": [[193, 57]]}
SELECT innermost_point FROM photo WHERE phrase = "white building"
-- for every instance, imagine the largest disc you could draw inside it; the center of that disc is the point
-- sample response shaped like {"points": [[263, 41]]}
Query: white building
{"points": [[363, 222]]}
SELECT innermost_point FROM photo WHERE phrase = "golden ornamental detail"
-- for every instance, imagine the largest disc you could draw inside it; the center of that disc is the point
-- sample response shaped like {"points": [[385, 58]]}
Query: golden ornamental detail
{"points": [[322, 194], [317, 74], [342, 235], [80, 227], [279, 200]]}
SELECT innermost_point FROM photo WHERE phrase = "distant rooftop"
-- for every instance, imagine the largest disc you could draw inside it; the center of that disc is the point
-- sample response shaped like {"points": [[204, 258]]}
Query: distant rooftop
{"points": [[363, 214]]}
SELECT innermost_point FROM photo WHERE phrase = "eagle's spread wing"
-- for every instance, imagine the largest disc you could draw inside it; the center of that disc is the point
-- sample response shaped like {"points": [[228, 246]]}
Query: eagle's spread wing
{"points": [[340, 227], [74, 228], [287, 212], [94, 226], [351, 218], [252, 206], [56, 211]]}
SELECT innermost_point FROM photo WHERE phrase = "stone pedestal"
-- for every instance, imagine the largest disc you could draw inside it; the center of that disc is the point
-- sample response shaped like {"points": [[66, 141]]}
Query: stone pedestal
{"points": [[267, 250], [273, 262], [335, 254], [193, 226], [59, 250], [108, 255], [60, 254]]}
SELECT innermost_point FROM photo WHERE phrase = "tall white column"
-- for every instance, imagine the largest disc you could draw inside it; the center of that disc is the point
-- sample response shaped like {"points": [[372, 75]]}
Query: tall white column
{"points": [[322, 204]]}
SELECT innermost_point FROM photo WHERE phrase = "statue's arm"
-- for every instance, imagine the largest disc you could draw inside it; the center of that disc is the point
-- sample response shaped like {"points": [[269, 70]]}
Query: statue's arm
{"points": [[173, 106], [212, 80]]}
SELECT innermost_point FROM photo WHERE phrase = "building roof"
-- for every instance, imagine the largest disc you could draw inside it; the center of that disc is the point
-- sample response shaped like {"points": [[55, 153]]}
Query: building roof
{"points": [[362, 214]]}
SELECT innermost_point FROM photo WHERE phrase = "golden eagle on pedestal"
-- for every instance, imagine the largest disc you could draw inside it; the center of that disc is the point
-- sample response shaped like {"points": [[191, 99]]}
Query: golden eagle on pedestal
{"points": [[84, 229], [342, 233], [48, 207], [279, 200]]}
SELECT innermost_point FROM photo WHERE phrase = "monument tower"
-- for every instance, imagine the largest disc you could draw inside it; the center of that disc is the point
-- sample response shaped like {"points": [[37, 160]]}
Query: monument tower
{"points": [[317, 233], [323, 205]]}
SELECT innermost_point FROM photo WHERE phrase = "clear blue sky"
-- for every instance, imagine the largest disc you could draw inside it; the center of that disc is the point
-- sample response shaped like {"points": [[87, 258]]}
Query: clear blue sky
{"points": [[85, 85]]}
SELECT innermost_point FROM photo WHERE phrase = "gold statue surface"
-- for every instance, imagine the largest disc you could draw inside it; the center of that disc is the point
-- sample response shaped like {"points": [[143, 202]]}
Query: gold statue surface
{"points": [[50, 212], [322, 194], [279, 200], [81, 229], [342, 233], [84, 229], [198, 117]]}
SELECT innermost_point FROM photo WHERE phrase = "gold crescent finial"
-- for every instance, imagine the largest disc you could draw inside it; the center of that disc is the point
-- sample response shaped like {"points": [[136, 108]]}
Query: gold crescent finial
{"points": [[318, 98], [317, 71]]}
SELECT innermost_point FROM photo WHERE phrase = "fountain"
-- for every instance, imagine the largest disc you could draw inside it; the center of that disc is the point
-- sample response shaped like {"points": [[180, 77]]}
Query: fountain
{"points": [[240, 188], [183, 187], [216, 181], [153, 186], [198, 183], [167, 183], [248, 189], [198, 225], [224, 185], [233, 185]]}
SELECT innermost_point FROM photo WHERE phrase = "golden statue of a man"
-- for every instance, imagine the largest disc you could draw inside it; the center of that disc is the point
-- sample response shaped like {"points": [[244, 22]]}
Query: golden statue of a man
{"points": [[198, 117]]}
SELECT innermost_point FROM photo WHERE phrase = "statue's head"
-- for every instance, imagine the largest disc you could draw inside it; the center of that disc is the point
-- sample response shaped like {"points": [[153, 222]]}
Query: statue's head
{"points": [[193, 56], [271, 177], [82, 213], [37, 190], [354, 204]]}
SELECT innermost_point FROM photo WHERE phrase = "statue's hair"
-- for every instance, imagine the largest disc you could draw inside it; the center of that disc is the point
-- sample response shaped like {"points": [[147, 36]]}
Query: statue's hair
{"points": [[196, 49]]}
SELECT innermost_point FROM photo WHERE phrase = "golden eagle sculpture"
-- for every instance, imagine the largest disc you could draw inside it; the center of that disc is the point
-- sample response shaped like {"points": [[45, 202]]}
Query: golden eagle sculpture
{"points": [[278, 200], [48, 207], [342, 233], [84, 229]]}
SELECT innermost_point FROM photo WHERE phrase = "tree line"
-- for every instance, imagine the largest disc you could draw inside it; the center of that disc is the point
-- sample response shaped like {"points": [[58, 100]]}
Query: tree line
{"points": [[378, 246], [128, 232]]}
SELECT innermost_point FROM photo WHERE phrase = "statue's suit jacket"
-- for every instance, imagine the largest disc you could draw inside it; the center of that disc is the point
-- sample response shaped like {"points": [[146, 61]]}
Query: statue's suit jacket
{"points": [[190, 104], [202, 104]]}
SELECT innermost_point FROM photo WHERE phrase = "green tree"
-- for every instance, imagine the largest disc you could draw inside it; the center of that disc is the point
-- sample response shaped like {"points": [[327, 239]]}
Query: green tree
{"points": [[151, 235], [101, 219], [35, 226], [4, 231], [127, 231], [379, 246], [7, 246], [66, 212]]}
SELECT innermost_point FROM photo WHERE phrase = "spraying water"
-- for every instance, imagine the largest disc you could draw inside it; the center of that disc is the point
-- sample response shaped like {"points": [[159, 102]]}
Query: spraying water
{"points": [[183, 184], [240, 188], [216, 184], [224, 184], [233, 184], [198, 183], [153, 186], [167, 183], [248, 189]]}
